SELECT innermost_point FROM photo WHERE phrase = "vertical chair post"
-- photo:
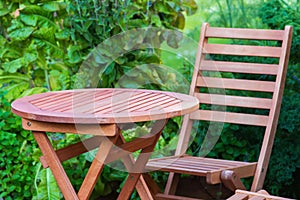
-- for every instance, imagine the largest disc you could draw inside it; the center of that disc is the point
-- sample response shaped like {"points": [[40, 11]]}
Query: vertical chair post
{"points": [[187, 124], [268, 140]]}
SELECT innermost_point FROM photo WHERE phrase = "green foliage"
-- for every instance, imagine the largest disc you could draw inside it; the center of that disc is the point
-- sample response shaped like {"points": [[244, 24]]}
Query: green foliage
{"points": [[285, 157], [29, 50], [276, 14], [229, 13], [129, 49], [17, 167]]}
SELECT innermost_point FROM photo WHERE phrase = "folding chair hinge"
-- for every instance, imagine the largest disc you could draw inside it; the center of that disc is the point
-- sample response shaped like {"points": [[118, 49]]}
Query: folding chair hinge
{"points": [[231, 180]]}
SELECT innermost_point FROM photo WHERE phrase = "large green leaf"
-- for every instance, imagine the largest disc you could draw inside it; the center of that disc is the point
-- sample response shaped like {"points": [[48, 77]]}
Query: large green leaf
{"points": [[3, 11], [14, 65], [47, 189], [30, 57], [54, 6], [10, 52], [63, 35], [156, 20], [21, 34], [49, 48], [46, 34], [35, 90], [54, 79], [36, 10], [73, 54], [15, 90], [191, 6], [39, 16], [15, 24], [30, 20], [17, 78]]}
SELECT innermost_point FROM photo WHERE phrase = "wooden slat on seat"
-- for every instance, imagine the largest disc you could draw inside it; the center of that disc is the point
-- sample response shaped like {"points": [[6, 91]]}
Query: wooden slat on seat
{"points": [[239, 33], [236, 84], [239, 67], [242, 50], [238, 101], [199, 165], [230, 117]]}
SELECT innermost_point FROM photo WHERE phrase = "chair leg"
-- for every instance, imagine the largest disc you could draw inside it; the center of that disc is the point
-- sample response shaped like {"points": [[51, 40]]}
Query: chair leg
{"points": [[231, 180], [172, 183], [151, 185]]}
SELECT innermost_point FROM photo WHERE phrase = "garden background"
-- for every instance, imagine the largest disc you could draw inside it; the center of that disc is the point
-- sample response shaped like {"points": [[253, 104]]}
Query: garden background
{"points": [[44, 42]]}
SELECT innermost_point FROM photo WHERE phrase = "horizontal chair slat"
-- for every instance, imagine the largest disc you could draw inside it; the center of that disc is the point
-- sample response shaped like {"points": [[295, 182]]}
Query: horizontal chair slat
{"points": [[242, 50], [154, 166], [236, 84], [229, 117], [237, 101], [188, 165], [239, 33], [239, 67], [188, 161]]}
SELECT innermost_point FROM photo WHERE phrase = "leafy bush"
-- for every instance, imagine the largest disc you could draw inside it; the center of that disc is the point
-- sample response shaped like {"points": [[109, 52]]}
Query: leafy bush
{"points": [[17, 166]]}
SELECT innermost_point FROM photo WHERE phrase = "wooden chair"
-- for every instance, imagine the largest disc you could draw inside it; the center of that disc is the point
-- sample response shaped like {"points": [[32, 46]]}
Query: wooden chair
{"points": [[229, 172]]}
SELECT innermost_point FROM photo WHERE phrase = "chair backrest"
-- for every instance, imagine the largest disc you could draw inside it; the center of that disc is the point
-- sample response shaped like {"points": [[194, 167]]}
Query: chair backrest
{"points": [[274, 47]]}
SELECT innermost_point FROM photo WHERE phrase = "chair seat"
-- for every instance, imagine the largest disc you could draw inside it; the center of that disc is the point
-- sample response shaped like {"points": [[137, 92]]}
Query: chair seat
{"points": [[200, 166]]}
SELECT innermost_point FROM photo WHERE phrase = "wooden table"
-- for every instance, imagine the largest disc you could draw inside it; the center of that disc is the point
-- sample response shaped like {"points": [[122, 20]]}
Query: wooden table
{"points": [[102, 113]]}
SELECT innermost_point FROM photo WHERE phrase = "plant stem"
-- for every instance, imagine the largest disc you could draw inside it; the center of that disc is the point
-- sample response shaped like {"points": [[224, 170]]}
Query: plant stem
{"points": [[47, 79], [228, 2], [222, 13]]}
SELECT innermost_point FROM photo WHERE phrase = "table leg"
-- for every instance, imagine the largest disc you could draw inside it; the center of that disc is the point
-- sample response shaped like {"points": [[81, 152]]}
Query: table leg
{"points": [[134, 177], [141, 186], [55, 165], [145, 186], [139, 165], [96, 167]]}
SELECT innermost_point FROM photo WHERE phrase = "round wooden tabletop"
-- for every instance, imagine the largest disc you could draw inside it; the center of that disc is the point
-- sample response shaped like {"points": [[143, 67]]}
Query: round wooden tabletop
{"points": [[104, 106]]}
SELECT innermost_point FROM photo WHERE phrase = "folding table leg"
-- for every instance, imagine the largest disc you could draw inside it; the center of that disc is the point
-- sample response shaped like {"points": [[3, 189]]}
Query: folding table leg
{"points": [[141, 162], [145, 186], [59, 173], [55, 165], [96, 168], [142, 185]]}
